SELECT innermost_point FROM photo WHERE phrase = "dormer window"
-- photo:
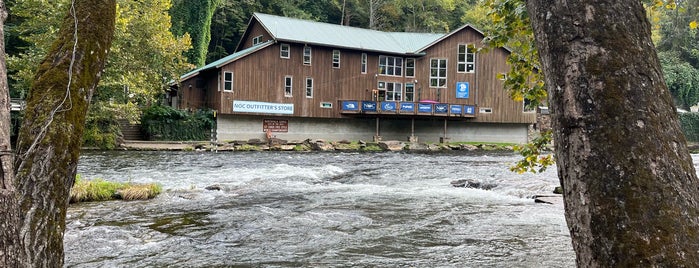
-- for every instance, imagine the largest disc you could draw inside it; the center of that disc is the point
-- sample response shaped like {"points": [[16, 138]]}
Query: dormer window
{"points": [[257, 40]]}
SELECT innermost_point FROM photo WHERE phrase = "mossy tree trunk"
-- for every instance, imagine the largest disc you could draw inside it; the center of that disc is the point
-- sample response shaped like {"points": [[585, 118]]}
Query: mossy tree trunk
{"points": [[9, 200], [630, 189], [50, 137]]}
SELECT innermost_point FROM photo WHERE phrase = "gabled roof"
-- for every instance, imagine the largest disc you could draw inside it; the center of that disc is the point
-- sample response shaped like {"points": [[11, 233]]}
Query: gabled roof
{"points": [[227, 59], [283, 29]]}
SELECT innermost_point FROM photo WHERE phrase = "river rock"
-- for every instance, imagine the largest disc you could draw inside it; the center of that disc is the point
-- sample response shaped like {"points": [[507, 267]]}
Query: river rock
{"points": [[468, 147], [554, 199], [391, 145], [214, 187], [320, 145], [469, 183], [414, 146]]}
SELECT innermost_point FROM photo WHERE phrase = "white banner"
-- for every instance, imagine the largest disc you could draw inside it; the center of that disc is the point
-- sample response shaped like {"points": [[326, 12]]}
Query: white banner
{"points": [[262, 107]]}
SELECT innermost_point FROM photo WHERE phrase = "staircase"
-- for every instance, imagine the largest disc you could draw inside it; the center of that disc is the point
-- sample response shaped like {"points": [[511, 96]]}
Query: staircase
{"points": [[131, 132]]}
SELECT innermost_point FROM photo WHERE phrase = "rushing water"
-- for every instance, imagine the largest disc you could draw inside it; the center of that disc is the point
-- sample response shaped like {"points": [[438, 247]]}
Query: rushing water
{"points": [[289, 209]]}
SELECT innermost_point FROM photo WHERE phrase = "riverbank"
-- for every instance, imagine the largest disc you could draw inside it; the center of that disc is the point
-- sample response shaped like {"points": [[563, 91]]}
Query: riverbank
{"points": [[310, 145]]}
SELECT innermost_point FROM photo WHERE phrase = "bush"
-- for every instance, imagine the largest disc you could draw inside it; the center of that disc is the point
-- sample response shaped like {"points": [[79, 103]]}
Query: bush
{"points": [[167, 123], [690, 125], [101, 127]]}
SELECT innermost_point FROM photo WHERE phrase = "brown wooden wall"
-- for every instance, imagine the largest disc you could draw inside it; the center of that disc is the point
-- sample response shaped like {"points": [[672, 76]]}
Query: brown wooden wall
{"points": [[260, 77]]}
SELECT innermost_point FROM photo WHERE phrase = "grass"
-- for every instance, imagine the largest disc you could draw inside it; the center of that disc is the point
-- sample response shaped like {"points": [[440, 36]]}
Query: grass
{"points": [[101, 190]]}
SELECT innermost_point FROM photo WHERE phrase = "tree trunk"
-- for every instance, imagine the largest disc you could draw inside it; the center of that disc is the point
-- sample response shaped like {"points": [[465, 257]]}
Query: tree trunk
{"points": [[51, 134], [9, 208], [630, 188]]}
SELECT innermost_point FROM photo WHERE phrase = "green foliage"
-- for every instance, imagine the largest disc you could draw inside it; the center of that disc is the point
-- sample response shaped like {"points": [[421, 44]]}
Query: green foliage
{"points": [[194, 18], [101, 127], [690, 126], [143, 58], [511, 28], [534, 160], [167, 123], [682, 79]]}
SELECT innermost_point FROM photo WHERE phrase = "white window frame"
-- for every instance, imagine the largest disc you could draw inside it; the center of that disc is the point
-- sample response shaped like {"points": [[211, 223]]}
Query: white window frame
{"points": [[394, 90], [390, 66], [411, 93], [336, 59], [485, 110], [466, 58], [307, 55], [227, 82], [436, 79], [288, 86], [309, 87], [257, 40], [412, 69], [364, 63], [525, 106], [284, 51]]}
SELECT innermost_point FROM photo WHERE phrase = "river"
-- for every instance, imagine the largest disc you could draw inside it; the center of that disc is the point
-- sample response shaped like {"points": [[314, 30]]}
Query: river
{"points": [[291, 209]]}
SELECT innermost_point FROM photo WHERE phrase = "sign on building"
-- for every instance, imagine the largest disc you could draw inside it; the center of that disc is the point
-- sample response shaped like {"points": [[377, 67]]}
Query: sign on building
{"points": [[262, 107], [462, 89], [275, 125]]}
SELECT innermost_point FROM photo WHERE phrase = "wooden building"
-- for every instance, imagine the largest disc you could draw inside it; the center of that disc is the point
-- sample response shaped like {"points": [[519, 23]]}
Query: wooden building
{"points": [[303, 79]]}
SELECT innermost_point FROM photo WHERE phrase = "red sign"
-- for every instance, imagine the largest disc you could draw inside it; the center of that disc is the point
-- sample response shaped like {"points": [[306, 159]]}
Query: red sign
{"points": [[274, 125]]}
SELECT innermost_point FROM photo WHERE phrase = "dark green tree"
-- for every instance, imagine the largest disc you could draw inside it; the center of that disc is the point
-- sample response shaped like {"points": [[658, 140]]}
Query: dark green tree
{"points": [[194, 17]]}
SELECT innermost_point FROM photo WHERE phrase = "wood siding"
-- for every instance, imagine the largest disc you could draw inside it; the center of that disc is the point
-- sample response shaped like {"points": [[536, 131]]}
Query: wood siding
{"points": [[260, 77]]}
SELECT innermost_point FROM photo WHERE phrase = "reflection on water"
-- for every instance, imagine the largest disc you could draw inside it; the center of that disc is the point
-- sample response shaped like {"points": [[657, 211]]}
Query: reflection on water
{"points": [[286, 209]]}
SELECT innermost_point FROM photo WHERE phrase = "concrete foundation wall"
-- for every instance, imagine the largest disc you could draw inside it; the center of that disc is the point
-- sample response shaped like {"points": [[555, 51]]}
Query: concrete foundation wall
{"points": [[236, 127]]}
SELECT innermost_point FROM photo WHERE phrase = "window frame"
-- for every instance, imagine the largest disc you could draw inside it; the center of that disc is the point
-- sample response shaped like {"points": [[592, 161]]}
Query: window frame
{"points": [[438, 78], [364, 61], [256, 40], [307, 55], [412, 69], [411, 93], [466, 57], [336, 58], [227, 82], [288, 86], [284, 48], [392, 66], [392, 89], [309, 89]]}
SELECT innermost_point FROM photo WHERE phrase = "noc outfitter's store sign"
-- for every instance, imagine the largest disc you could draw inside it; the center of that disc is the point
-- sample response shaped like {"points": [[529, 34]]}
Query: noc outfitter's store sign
{"points": [[262, 107], [275, 125]]}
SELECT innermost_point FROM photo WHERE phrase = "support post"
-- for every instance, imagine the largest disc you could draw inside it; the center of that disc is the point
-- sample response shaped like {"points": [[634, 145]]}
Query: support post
{"points": [[377, 136]]}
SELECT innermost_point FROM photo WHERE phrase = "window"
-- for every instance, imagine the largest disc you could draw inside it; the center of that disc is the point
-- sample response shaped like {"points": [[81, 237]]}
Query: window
{"points": [[227, 81], [394, 91], [364, 60], [326, 105], [390, 66], [528, 106], [466, 61], [336, 58], [409, 90], [410, 67], [284, 51], [485, 110], [287, 86], [502, 76], [309, 87], [306, 55], [438, 73], [257, 40]]}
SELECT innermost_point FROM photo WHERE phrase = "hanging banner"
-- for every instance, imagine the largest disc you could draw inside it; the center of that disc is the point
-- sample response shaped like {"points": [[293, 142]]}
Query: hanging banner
{"points": [[462, 89]]}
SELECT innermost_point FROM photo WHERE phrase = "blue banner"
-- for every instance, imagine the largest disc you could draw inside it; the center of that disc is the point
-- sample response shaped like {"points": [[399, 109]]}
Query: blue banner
{"points": [[388, 106], [407, 106], [424, 108], [469, 109], [369, 106], [441, 108], [350, 105], [462, 89], [456, 109]]}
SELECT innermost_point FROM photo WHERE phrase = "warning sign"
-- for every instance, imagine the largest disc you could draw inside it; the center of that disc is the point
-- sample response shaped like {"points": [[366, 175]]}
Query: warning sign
{"points": [[275, 125]]}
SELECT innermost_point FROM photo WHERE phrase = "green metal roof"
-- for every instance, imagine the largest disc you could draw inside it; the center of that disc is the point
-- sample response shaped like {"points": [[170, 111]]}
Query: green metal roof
{"points": [[285, 29], [227, 59]]}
